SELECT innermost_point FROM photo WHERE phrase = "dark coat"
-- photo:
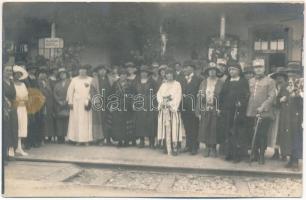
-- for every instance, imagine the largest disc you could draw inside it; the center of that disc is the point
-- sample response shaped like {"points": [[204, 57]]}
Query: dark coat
{"points": [[121, 120], [46, 114], [105, 90], [61, 107], [208, 121], [233, 92], [290, 121], [189, 90], [10, 121], [144, 115]]}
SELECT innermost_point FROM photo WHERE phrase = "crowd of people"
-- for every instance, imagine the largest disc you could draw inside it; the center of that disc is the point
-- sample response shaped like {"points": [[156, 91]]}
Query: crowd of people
{"points": [[174, 107]]}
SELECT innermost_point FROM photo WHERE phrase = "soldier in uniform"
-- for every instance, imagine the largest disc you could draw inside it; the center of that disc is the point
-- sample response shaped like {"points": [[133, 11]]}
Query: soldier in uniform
{"points": [[262, 96]]}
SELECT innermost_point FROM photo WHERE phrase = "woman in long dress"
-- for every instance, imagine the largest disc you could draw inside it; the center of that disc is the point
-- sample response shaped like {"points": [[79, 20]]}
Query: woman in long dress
{"points": [[21, 99], [80, 118], [121, 112], [144, 115], [47, 111], [207, 110], [61, 105], [170, 127]]}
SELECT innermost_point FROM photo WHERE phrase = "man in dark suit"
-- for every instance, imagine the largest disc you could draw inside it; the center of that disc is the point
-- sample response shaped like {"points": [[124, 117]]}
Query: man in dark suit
{"points": [[179, 75], [190, 86]]}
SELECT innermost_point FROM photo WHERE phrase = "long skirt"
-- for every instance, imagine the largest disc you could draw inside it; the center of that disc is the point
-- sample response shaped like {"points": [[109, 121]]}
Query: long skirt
{"points": [[170, 123], [144, 124], [80, 122], [10, 130], [273, 130], [208, 127], [297, 146], [62, 126], [22, 121], [122, 125], [97, 126]]}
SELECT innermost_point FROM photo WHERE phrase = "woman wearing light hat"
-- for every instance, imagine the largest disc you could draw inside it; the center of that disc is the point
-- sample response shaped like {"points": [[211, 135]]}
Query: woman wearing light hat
{"points": [[21, 74], [207, 109]]}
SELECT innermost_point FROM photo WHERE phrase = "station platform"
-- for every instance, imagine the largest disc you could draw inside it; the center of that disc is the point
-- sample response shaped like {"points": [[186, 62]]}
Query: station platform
{"points": [[153, 159]]}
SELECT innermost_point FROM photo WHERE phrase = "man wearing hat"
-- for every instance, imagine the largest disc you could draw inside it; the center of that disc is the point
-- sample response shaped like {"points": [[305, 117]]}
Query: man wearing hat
{"points": [[248, 73], [233, 103], [221, 65], [178, 71], [190, 86], [131, 68], [262, 96]]}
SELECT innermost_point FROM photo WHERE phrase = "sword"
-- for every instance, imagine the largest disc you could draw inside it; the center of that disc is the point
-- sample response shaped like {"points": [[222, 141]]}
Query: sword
{"points": [[258, 120]]}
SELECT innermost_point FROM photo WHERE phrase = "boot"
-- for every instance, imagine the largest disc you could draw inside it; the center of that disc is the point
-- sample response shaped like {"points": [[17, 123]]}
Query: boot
{"points": [[290, 163], [256, 155], [206, 152], [141, 144], [262, 157], [213, 152], [276, 155]]}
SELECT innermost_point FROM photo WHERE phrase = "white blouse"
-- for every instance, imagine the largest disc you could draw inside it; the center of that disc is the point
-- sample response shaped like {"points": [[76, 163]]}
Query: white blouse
{"points": [[172, 89]]}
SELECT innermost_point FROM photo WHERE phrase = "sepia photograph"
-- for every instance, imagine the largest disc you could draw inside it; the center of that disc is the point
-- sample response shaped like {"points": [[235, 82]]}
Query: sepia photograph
{"points": [[152, 99]]}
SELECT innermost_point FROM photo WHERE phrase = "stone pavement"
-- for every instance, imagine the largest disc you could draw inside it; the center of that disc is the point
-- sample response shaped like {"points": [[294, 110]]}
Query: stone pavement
{"points": [[145, 157], [39, 179]]}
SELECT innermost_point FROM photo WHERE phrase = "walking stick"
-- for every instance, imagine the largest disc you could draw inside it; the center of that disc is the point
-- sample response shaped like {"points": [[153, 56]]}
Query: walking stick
{"points": [[258, 120]]}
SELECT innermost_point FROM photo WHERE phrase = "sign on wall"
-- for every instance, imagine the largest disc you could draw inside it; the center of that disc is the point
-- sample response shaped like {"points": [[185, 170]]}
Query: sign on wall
{"points": [[53, 43]]}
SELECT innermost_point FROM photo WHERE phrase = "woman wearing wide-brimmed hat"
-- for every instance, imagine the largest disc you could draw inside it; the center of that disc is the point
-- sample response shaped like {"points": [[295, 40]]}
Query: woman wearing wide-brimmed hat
{"points": [[121, 119], [144, 114], [207, 109], [80, 117], [20, 74], [61, 105]]}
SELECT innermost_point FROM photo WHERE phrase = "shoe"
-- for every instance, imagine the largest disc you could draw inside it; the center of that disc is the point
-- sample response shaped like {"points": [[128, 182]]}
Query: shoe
{"points": [[289, 164], [186, 149], [213, 153], [194, 151], [276, 155], [21, 152], [206, 152], [228, 158], [261, 158]]}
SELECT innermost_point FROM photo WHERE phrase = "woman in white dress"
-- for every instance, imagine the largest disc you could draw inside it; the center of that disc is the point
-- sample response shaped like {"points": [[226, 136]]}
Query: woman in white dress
{"points": [[21, 99], [170, 127], [80, 118]]}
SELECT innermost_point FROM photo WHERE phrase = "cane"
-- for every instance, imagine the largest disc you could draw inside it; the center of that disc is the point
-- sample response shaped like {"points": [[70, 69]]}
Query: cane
{"points": [[258, 120]]}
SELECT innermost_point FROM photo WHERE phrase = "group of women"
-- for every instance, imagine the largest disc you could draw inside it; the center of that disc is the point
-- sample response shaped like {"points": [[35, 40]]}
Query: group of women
{"points": [[103, 105]]}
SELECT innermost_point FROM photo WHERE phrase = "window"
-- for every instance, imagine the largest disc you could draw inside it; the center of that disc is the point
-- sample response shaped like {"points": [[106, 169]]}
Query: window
{"points": [[273, 45]]}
